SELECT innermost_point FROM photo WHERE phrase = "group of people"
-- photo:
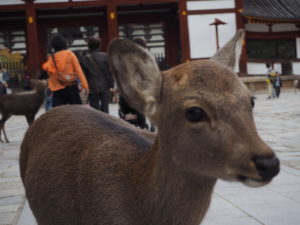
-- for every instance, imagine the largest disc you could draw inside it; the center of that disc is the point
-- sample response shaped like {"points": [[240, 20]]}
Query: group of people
{"points": [[274, 82], [94, 76]]}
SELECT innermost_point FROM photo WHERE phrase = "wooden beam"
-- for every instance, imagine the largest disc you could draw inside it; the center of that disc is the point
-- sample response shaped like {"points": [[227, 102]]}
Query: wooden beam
{"points": [[11, 8], [54, 5], [183, 29], [71, 4], [273, 60], [141, 18], [6, 25], [273, 35], [130, 2], [33, 59], [210, 11]]}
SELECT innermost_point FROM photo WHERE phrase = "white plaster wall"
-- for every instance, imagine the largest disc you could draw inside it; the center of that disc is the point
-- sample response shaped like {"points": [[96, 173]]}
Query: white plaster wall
{"points": [[284, 27], [210, 4], [256, 68], [296, 68], [11, 2], [48, 1], [203, 36], [256, 27], [298, 47], [261, 69], [277, 67]]}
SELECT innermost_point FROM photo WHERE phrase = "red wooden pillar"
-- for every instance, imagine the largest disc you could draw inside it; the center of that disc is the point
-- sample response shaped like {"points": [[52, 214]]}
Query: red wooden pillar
{"points": [[172, 41], [239, 4], [184, 34], [32, 39], [112, 23], [42, 31]]}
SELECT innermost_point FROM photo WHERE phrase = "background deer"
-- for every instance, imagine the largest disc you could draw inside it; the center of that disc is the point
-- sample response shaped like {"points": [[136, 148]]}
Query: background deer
{"points": [[80, 166], [25, 103]]}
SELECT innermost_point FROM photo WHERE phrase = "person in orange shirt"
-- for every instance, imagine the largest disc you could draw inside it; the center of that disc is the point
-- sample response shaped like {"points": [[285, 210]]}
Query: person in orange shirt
{"points": [[65, 61]]}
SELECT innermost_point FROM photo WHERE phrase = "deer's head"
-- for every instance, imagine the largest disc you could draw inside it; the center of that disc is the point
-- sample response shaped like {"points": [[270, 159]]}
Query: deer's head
{"points": [[202, 110]]}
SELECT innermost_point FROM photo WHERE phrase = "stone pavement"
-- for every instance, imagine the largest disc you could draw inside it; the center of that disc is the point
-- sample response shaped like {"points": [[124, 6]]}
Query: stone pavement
{"points": [[11, 187], [278, 122]]}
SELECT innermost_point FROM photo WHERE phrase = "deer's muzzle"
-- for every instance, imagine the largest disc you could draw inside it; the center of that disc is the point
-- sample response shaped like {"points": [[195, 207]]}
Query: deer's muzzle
{"points": [[267, 168]]}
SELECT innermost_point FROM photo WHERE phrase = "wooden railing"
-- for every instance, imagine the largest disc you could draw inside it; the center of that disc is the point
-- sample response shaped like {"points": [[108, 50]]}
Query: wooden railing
{"points": [[16, 72]]}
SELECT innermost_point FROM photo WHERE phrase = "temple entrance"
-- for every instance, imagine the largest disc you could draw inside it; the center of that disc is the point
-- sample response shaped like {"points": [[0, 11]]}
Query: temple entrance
{"points": [[158, 24], [76, 37], [76, 25]]}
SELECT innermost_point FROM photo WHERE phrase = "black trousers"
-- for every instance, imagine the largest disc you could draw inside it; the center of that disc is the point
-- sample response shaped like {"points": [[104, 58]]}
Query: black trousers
{"points": [[68, 95], [277, 91], [100, 100]]}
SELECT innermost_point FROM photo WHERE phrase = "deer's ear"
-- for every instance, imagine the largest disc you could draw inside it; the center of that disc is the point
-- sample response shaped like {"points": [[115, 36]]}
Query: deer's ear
{"points": [[230, 53], [137, 75]]}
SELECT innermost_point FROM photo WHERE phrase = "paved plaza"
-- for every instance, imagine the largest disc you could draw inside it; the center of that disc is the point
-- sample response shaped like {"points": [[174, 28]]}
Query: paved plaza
{"points": [[278, 122]]}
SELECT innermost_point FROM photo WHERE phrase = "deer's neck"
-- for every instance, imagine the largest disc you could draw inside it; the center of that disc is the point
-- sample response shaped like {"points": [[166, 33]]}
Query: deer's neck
{"points": [[173, 196]]}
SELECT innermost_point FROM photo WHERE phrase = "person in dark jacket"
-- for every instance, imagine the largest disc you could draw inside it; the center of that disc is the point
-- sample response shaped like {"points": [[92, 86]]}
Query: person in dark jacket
{"points": [[100, 80]]}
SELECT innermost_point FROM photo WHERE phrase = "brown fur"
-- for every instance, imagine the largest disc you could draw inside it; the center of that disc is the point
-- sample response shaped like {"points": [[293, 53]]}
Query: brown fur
{"points": [[26, 104], [80, 166]]}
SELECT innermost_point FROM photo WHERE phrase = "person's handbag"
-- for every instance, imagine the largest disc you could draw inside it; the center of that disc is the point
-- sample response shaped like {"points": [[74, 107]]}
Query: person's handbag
{"points": [[66, 79]]}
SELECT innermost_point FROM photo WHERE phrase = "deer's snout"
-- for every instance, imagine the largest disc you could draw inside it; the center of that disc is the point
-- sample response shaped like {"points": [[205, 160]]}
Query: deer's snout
{"points": [[267, 168]]}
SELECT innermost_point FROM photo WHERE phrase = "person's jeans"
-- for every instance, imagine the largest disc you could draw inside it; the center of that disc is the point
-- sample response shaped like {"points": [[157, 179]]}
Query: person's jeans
{"points": [[100, 100], [48, 103]]}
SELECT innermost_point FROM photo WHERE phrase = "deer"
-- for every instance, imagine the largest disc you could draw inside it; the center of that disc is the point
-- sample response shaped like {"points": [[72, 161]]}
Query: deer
{"points": [[296, 86], [81, 166], [25, 103]]}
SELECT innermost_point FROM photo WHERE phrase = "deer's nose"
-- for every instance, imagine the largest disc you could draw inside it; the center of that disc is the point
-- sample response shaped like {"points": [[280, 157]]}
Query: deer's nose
{"points": [[267, 168]]}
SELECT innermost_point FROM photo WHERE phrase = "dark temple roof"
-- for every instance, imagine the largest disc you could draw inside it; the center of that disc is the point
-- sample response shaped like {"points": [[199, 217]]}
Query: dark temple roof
{"points": [[272, 10]]}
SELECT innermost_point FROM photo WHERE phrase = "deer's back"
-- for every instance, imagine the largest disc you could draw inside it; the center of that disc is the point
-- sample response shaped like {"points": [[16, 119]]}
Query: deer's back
{"points": [[75, 157], [21, 104]]}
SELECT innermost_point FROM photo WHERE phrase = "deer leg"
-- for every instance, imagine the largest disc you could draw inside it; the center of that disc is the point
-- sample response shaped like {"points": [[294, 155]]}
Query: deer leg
{"points": [[0, 136], [5, 136], [2, 122], [1, 128], [30, 119]]}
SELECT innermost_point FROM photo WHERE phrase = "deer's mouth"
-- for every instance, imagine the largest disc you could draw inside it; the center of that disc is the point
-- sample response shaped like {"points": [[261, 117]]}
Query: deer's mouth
{"points": [[263, 170], [251, 182]]}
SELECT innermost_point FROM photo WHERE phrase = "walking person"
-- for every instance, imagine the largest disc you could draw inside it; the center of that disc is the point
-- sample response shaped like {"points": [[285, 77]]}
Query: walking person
{"points": [[99, 77], [277, 85], [269, 80], [3, 82], [64, 72]]}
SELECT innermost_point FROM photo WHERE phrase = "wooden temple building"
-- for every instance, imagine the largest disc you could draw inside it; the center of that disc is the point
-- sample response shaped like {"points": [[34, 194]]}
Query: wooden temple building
{"points": [[176, 30]]}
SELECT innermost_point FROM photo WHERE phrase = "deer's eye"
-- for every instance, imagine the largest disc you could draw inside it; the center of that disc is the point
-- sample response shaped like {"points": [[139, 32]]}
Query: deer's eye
{"points": [[195, 114]]}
